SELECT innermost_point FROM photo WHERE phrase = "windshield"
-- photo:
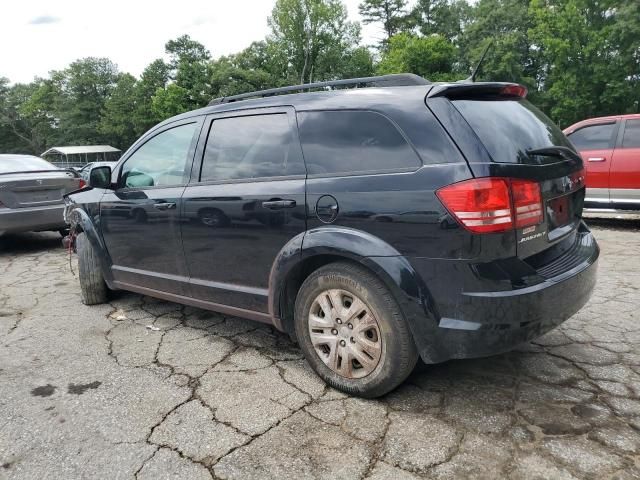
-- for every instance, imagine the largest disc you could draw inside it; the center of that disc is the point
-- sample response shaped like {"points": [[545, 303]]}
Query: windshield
{"points": [[23, 163], [508, 128]]}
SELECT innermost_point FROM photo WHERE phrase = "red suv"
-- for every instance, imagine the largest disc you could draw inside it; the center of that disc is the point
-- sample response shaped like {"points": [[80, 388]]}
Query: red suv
{"points": [[610, 148]]}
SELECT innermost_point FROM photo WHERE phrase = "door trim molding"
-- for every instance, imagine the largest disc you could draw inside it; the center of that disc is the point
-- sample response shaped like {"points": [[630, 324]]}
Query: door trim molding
{"points": [[194, 302]]}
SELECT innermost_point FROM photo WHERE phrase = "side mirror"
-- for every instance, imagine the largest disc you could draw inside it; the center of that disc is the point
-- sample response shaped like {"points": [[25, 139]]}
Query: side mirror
{"points": [[100, 177]]}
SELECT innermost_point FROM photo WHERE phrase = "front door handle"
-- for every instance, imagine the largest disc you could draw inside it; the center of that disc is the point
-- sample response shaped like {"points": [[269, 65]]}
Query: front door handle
{"points": [[596, 159], [165, 206], [278, 204]]}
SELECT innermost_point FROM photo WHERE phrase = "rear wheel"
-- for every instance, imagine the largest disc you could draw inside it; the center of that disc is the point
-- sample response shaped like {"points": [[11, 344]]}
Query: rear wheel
{"points": [[352, 331], [92, 285]]}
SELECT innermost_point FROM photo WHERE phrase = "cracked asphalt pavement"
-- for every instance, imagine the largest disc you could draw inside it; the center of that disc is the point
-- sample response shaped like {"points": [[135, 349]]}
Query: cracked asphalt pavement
{"points": [[150, 389]]}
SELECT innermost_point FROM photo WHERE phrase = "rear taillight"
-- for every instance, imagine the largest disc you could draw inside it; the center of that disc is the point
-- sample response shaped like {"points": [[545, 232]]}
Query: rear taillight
{"points": [[81, 184], [527, 202], [489, 205]]}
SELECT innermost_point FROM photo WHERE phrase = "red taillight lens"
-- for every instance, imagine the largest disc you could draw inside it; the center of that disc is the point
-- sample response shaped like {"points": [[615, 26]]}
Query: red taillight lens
{"points": [[81, 184], [482, 205], [527, 202], [489, 205], [514, 91]]}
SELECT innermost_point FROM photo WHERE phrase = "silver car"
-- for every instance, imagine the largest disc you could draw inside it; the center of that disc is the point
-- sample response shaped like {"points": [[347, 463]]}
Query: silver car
{"points": [[31, 191]]}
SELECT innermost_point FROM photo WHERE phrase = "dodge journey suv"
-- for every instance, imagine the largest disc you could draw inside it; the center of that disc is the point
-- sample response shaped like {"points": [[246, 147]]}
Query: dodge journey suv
{"points": [[376, 221]]}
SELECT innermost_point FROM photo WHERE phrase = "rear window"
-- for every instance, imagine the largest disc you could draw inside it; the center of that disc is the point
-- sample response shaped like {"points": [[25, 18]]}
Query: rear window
{"points": [[24, 164], [508, 128], [352, 141]]}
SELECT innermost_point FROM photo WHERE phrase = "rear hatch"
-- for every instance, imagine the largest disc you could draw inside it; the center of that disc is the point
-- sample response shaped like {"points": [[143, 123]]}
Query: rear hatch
{"points": [[520, 142], [36, 188]]}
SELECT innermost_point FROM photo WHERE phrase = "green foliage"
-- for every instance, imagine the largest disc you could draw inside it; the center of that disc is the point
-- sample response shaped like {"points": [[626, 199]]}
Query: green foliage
{"points": [[311, 39], [170, 101], [579, 58], [189, 66], [390, 13], [443, 17], [431, 57], [117, 122], [589, 60], [80, 94]]}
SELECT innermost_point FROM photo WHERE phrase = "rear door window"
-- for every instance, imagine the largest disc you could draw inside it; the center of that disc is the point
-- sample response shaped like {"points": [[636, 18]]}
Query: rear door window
{"points": [[593, 137], [508, 128], [255, 146], [353, 141], [631, 138]]}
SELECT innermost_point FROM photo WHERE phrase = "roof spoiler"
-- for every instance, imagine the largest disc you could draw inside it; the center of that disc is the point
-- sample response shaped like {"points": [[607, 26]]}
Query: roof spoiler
{"points": [[486, 90]]}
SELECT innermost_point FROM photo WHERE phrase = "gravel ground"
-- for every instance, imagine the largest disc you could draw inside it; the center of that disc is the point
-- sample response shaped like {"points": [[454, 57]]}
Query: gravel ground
{"points": [[150, 389]]}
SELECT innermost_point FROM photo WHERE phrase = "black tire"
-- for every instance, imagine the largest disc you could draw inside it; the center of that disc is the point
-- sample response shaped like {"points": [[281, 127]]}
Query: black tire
{"points": [[399, 354], [92, 285]]}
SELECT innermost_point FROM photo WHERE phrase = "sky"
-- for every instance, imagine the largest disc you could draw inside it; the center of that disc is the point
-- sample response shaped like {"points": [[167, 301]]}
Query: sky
{"points": [[42, 35]]}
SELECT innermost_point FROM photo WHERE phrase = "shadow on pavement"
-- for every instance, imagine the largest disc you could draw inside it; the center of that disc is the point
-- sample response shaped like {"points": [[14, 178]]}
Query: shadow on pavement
{"points": [[621, 223], [30, 242]]}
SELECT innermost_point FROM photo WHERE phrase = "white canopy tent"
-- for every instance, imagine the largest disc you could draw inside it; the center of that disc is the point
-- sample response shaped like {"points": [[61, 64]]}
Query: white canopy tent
{"points": [[77, 156]]}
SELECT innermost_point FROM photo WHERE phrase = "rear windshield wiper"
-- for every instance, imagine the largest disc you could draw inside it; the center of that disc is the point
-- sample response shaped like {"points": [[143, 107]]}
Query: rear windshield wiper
{"points": [[555, 151]]}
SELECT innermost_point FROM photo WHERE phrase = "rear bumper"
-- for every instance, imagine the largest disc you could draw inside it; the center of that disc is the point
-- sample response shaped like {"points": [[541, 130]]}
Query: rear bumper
{"points": [[478, 324], [32, 219]]}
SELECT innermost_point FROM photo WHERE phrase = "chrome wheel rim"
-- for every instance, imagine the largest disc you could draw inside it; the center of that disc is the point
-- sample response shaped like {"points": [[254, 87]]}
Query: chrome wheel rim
{"points": [[345, 333]]}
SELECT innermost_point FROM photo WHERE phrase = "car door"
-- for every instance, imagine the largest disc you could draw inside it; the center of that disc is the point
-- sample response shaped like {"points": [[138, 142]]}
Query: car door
{"points": [[625, 166], [140, 218], [595, 143], [245, 201]]}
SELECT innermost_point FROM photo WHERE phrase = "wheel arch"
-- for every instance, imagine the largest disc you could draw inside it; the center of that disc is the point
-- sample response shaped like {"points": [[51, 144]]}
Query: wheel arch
{"points": [[311, 250], [81, 221]]}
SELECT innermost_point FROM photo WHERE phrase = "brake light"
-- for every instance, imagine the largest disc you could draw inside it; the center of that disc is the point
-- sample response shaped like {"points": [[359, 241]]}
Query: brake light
{"points": [[81, 184], [514, 91], [489, 205]]}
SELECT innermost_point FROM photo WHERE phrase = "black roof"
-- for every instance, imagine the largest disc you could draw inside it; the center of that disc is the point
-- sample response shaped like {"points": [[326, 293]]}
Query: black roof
{"points": [[395, 80]]}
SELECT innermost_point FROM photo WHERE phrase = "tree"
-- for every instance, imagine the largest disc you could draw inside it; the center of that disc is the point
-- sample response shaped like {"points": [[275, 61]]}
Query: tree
{"points": [[431, 57], [588, 56], [170, 101], [512, 56], [26, 116], [189, 63], [117, 123], [311, 39], [155, 76], [391, 13], [444, 17], [83, 89]]}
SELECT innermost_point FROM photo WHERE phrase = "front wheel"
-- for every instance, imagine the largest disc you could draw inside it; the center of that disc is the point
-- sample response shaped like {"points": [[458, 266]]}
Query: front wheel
{"points": [[92, 285], [352, 331]]}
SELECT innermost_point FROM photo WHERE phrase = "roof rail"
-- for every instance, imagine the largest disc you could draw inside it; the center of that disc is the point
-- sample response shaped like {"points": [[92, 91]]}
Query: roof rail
{"points": [[395, 80]]}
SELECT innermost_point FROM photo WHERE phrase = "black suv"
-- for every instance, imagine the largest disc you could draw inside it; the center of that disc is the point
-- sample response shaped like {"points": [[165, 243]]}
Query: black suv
{"points": [[376, 224]]}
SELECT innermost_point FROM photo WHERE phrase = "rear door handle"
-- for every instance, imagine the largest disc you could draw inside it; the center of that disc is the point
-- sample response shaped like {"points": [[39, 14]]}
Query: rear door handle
{"points": [[165, 206], [278, 204], [596, 159]]}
